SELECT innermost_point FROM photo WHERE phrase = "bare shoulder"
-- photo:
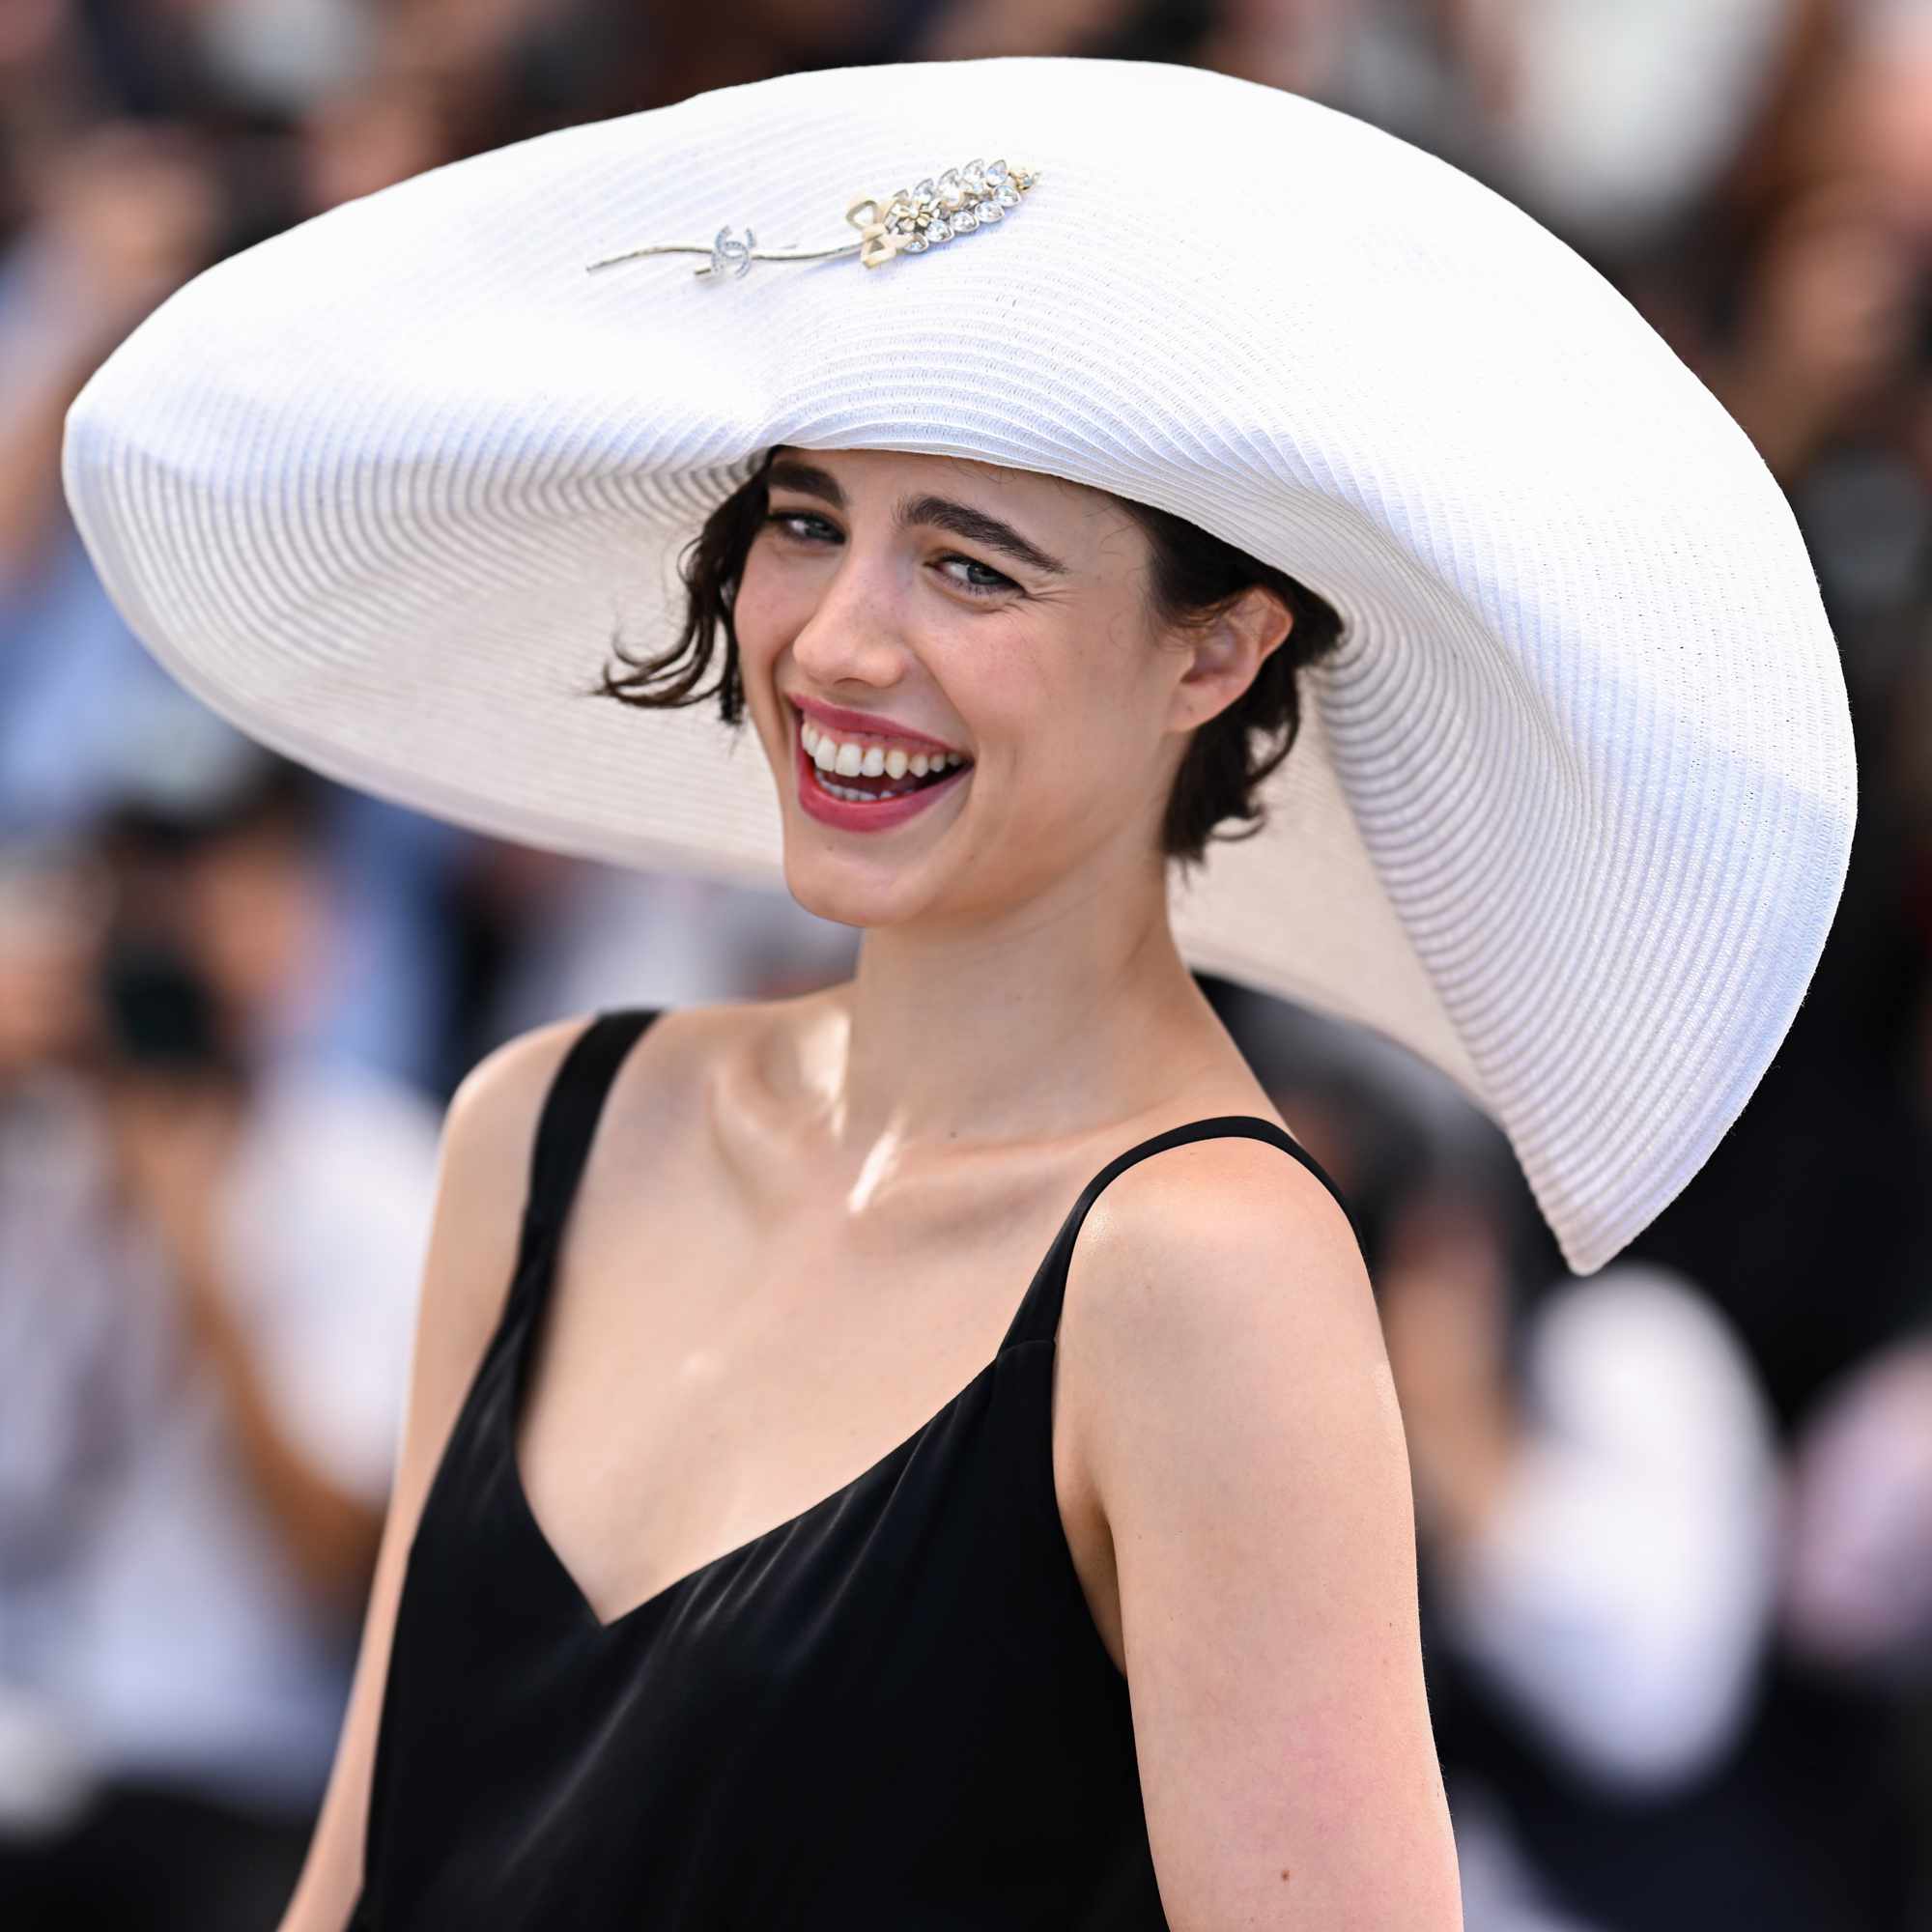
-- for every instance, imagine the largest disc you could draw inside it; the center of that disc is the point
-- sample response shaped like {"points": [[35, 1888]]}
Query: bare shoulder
{"points": [[1218, 1237], [497, 1101], [1238, 1427], [1215, 1274], [488, 1132], [489, 1139], [494, 1109]]}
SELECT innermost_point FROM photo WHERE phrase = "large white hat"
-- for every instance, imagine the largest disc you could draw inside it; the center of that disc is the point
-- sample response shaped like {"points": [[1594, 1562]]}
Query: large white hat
{"points": [[1571, 804]]}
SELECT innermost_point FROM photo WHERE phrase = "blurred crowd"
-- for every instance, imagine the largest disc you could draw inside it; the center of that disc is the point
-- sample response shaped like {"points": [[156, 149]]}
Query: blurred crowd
{"points": [[1675, 1518]]}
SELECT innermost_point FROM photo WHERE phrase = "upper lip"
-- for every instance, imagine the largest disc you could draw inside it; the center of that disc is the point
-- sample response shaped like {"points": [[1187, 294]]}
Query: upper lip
{"points": [[837, 718]]}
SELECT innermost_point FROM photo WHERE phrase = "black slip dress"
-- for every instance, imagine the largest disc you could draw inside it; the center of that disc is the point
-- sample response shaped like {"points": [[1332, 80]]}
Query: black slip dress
{"points": [[891, 1710]]}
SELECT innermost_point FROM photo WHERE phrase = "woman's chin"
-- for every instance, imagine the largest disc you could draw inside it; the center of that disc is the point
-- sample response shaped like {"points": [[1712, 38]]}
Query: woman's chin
{"points": [[853, 888]]}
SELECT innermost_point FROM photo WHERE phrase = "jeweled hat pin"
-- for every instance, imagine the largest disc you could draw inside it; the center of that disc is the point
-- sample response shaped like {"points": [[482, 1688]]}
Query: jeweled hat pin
{"points": [[913, 220]]}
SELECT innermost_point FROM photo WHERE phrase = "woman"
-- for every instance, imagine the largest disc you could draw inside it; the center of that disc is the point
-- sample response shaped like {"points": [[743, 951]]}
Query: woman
{"points": [[675, 1623]]}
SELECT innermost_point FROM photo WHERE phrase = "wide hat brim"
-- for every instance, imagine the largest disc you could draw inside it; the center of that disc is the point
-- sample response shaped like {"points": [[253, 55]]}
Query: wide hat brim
{"points": [[1572, 807]]}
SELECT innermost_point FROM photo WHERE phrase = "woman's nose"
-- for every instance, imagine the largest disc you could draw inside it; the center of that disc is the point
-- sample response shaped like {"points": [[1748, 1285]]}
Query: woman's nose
{"points": [[856, 630]]}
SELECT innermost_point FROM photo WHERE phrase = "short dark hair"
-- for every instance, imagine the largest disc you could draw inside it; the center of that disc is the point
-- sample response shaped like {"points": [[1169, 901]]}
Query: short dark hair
{"points": [[1193, 579]]}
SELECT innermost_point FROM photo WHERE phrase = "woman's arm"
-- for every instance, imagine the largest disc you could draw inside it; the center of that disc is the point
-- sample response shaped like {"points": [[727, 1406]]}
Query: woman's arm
{"points": [[482, 1180], [1242, 1436]]}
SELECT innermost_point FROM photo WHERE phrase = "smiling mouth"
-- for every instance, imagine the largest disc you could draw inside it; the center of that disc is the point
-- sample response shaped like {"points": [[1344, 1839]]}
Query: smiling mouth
{"points": [[898, 773]]}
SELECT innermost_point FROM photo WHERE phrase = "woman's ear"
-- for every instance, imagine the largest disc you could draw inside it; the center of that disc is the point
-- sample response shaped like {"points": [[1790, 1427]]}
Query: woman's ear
{"points": [[1228, 649]]}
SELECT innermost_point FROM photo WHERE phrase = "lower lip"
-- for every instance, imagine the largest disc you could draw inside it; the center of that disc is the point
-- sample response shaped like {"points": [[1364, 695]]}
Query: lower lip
{"points": [[846, 817]]}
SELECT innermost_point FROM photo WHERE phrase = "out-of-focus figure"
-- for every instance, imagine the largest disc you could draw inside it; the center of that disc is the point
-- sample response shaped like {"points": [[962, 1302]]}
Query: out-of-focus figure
{"points": [[210, 1248], [1857, 1575]]}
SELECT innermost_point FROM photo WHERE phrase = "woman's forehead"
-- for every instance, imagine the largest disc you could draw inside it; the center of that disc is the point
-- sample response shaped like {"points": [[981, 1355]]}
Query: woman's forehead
{"points": [[858, 464], [1056, 501]]}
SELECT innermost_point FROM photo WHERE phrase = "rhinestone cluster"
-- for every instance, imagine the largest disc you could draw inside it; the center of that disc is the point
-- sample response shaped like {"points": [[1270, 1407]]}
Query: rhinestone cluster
{"points": [[959, 201]]}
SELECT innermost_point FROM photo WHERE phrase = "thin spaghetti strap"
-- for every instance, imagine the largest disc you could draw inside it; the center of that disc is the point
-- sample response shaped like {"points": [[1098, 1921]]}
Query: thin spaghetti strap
{"points": [[1039, 1315], [568, 1121]]}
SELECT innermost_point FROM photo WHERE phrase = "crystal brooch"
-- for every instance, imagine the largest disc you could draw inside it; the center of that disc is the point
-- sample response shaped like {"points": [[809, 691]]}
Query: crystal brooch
{"points": [[908, 221]]}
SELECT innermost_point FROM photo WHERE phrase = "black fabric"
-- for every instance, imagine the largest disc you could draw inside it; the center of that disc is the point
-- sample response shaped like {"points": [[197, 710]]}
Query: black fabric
{"points": [[892, 1709]]}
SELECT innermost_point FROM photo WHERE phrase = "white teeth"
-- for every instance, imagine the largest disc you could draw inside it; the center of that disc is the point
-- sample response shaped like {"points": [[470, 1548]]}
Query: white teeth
{"points": [[827, 755], [853, 760], [859, 797]]}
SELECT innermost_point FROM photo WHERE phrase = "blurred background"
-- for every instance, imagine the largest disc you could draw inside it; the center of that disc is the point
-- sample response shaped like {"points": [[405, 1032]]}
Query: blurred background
{"points": [[1675, 1518]]}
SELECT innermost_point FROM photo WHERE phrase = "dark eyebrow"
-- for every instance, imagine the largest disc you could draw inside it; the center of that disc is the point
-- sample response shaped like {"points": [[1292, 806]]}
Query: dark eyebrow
{"points": [[939, 513]]}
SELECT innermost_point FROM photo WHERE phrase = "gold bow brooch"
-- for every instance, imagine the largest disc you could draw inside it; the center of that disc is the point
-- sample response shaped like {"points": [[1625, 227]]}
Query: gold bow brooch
{"points": [[912, 221]]}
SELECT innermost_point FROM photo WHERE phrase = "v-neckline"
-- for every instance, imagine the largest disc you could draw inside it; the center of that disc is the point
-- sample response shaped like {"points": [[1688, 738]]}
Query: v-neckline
{"points": [[534, 1296], [678, 1585]]}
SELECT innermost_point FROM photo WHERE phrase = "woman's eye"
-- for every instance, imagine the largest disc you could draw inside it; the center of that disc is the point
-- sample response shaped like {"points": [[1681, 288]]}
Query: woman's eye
{"points": [[982, 588], [785, 519], [806, 528]]}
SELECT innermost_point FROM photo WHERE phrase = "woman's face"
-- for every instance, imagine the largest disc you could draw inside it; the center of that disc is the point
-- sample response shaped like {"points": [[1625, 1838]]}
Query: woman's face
{"points": [[996, 612]]}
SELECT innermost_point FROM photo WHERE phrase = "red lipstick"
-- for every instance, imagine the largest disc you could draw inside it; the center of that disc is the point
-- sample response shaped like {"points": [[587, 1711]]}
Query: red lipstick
{"points": [[844, 815], [837, 717]]}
